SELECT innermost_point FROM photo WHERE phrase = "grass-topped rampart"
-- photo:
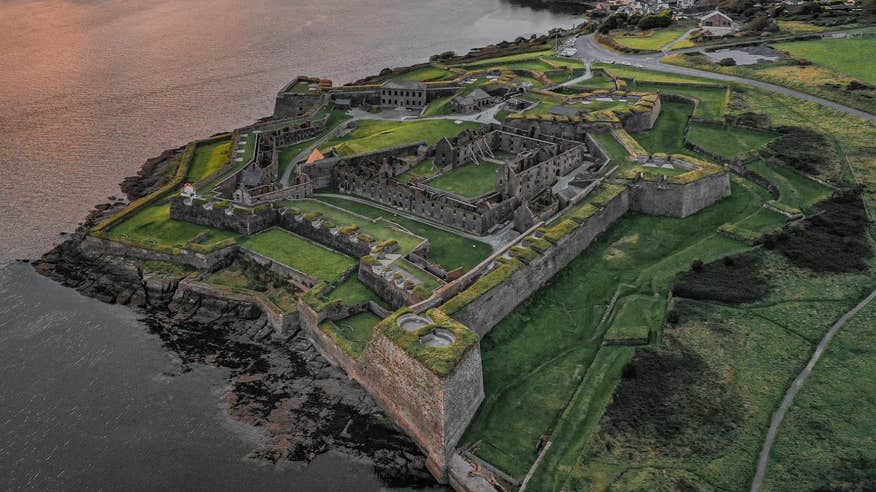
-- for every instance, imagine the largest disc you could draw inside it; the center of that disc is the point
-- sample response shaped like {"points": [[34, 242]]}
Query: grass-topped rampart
{"points": [[439, 360]]}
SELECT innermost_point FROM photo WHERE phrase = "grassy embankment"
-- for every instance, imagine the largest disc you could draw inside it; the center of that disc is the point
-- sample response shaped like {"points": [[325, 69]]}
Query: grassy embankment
{"points": [[651, 40], [371, 135], [445, 248], [299, 253], [728, 142], [239, 278]]}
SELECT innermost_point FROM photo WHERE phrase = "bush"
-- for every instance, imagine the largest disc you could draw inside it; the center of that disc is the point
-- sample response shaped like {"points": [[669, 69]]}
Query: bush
{"points": [[727, 62], [802, 149], [734, 281]]}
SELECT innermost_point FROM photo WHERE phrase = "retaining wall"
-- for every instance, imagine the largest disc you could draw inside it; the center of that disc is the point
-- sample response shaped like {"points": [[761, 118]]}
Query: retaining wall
{"points": [[95, 246], [679, 200]]}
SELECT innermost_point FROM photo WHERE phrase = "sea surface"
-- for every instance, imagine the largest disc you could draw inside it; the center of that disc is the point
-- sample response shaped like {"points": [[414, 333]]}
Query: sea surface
{"points": [[89, 89]]}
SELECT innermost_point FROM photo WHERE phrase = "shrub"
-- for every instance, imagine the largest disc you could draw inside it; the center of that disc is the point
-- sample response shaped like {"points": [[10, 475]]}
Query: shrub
{"points": [[697, 265], [733, 281], [727, 62]]}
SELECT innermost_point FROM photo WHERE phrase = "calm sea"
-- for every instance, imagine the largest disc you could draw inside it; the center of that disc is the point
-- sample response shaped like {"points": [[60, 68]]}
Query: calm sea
{"points": [[88, 90]]}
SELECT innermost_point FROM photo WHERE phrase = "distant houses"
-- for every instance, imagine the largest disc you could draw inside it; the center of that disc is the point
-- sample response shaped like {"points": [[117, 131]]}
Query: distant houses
{"points": [[717, 23]]}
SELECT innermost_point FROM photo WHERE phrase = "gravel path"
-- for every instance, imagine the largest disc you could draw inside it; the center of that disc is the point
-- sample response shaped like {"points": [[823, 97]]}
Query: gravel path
{"points": [[795, 387]]}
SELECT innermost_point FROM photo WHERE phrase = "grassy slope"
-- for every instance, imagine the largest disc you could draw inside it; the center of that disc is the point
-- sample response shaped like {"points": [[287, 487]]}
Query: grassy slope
{"points": [[537, 356], [711, 99], [373, 135], [826, 440], [728, 142], [668, 133], [743, 359], [470, 180], [208, 159], [353, 291], [153, 224], [852, 57], [797, 190], [612, 148], [447, 249], [424, 74], [299, 253]]}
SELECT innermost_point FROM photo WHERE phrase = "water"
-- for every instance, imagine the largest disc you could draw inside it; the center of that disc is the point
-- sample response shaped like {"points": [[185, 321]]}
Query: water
{"points": [[88, 90]]}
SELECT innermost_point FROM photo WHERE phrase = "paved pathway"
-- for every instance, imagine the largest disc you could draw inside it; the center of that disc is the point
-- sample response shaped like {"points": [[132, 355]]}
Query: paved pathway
{"points": [[668, 46], [795, 387], [590, 51]]}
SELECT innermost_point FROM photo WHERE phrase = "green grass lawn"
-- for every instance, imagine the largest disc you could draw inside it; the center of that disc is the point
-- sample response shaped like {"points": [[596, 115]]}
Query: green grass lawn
{"points": [[371, 135], [425, 74], [424, 169], [438, 107], [615, 151], [353, 333], [153, 225], [208, 159], [299, 253], [445, 248], [635, 317], [380, 230], [511, 58], [352, 291], [852, 57], [599, 81], [238, 279], [470, 180], [643, 75], [429, 282], [711, 99], [540, 355], [700, 422], [728, 142], [650, 40], [797, 190], [668, 133]]}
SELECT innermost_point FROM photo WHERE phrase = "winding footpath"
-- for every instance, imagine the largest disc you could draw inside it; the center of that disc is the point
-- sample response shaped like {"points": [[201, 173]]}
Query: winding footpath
{"points": [[763, 461], [589, 51]]}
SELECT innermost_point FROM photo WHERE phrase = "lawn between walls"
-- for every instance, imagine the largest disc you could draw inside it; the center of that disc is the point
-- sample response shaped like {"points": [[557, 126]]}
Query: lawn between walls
{"points": [[537, 359]]}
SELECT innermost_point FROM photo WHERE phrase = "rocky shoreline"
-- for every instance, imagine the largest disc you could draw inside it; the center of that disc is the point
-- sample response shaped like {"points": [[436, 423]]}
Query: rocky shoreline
{"points": [[282, 386]]}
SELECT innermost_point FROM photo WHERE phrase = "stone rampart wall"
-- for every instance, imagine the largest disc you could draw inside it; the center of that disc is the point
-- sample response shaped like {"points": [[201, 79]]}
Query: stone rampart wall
{"points": [[396, 296], [677, 200], [284, 271], [332, 238], [95, 246], [242, 221], [487, 310]]}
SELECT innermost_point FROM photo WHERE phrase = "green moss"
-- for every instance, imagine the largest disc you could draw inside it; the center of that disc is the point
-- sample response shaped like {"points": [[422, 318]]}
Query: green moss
{"points": [[583, 212], [537, 243], [559, 230], [526, 254], [439, 360], [482, 286]]}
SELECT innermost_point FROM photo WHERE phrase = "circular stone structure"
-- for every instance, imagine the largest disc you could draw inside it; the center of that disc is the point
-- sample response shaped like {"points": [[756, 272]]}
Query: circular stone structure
{"points": [[411, 322], [438, 338]]}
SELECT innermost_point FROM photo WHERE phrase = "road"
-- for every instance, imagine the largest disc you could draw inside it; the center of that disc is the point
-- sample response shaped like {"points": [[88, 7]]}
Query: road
{"points": [[589, 51], [795, 387]]}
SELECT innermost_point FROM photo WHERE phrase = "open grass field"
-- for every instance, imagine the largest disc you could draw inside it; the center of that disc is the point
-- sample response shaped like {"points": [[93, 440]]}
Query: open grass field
{"points": [[642, 75], [208, 159], [668, 133], [379, 229], [438, 107], [299, 253], [650, 40], [424, 169], [826, 440], [541, 355], [371, 135], [599, 81], [445, 248], [352, 333], [852, 57], [711, 100], [636, 317], [352, 291], [728, 142], [692, 413], [153, 225], [615, 151], [798, 27], [797, 190], [470, 180]]}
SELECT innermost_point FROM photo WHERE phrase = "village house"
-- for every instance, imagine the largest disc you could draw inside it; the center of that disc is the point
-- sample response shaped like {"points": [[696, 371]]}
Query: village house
{"points": [[400, 93], [717, 23]]}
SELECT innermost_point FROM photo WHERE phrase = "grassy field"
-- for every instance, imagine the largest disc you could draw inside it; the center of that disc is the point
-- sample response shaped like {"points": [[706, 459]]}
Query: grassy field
{"points": [[852, 57], [379, 229], [537, 358], [711, 100], [728, 142], [352, 333], [438, 107], [668, 133], [470, 180], [797, 190], [615, 151], [236, 278], [299, 253], [636, 317], [153, 225], [424, 169], [352, 291], [599, 81], [798, 27], [208, 159], [371, 135], [642, 75], [445, 248], [425, 74], [649, 40], [692, 413], [826, 440]]}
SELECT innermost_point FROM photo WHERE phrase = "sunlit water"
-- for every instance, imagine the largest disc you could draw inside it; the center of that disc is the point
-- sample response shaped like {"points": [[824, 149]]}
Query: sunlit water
{"points": [[88, 90]]}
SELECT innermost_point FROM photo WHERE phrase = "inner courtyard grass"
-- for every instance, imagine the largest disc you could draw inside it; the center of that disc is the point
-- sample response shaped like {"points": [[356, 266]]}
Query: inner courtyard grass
{"points": [[850, 56], [208, 159], [445, 248], [153, 226], [371, 135], [299, 253], [470, 180], [378, 229], [538, 357], [353, 333], [668, 132], [612, 148], [352, 292], [728, 142], [236, 278], [711, 100], [424, 74], [424, 169]]}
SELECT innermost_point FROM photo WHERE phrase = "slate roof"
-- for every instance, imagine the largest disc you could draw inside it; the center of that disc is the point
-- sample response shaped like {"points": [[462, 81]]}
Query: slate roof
{"points": [[403, 84]]}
